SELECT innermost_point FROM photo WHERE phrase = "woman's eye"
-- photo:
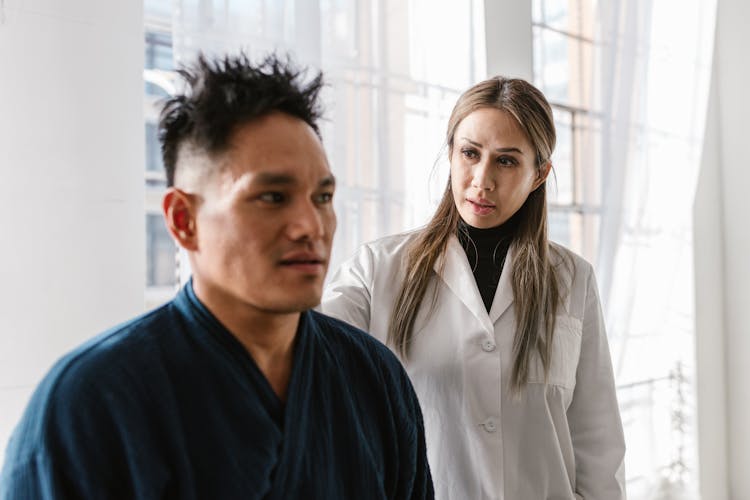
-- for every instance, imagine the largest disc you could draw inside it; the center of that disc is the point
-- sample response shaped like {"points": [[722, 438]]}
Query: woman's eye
{"points": [[469, 153], [506, 161]]}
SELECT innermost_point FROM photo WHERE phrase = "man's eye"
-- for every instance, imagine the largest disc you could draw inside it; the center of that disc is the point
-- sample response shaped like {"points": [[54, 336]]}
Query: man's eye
{"points": [[324, 198], [271, 197]]}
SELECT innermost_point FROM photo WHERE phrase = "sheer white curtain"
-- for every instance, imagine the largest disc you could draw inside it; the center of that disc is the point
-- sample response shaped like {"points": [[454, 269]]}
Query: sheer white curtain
{"points": [[654, 64], [394, 68]]}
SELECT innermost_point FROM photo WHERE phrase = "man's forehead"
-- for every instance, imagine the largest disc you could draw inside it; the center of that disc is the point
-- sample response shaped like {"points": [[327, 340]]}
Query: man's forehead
{"points": [[286, 177], [274, 149]]}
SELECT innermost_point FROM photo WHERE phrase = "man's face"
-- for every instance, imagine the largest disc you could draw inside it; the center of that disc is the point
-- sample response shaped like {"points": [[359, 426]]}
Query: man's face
{"points": [[264, 220]]}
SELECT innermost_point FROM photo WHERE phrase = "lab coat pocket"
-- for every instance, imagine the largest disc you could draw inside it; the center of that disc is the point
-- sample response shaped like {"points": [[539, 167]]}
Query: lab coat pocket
{"points": [[566, 348]]}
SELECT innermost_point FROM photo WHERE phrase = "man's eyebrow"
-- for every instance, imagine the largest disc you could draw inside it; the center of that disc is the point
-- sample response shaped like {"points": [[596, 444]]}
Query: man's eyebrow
{"points": [[268, 179], [498, 150], [329, 181]]}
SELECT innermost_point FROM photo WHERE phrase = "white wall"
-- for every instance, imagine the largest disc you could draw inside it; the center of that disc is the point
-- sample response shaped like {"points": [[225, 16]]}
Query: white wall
{"points": [[71, 182], [508, 36], [722, 244]]}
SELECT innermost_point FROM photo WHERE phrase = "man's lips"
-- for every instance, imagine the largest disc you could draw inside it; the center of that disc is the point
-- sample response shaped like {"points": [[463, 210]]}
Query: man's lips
{"points": [[303, 261]]}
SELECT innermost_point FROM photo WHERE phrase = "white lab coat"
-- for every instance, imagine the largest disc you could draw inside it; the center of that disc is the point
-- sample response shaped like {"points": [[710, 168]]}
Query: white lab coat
{"points": [[562, 440]]}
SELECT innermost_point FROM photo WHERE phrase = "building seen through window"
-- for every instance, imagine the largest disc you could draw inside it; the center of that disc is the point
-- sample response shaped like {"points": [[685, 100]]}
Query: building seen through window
{"points": [[161, 251]]}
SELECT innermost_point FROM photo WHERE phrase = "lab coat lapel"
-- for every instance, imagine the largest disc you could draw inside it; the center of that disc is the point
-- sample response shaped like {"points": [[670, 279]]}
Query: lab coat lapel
{"points": [[458, 276], [504, 293]]}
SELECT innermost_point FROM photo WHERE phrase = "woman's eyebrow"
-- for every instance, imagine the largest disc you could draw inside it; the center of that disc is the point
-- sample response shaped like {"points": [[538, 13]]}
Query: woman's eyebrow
{"points": [[498, 150]]}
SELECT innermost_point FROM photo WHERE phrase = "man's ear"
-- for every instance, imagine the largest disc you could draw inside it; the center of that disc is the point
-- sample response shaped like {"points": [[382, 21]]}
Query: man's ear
{"points": [[180, 214], [544, 171]]}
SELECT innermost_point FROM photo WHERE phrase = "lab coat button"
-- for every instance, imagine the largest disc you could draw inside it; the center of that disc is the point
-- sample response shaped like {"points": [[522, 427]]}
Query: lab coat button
{"points": [[489, 425], [488, 346]]}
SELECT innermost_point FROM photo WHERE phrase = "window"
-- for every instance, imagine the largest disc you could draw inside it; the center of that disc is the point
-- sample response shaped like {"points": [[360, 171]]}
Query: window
{"points": [[388, 97], [158, 57], [154, 161], [563, 48], [161, 251], [628, 85]]}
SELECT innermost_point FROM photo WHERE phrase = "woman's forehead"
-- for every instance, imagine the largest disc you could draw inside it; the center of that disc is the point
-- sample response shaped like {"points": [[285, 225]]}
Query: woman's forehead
{"points": [[492, 128]]}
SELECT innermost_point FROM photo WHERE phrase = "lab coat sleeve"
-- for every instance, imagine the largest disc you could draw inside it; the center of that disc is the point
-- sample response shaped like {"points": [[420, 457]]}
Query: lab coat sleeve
{"points": [[348, 295], [593, 416]]}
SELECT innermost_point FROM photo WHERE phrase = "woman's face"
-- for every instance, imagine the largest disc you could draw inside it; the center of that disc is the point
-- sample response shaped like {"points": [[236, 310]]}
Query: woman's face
{"points": [[493, 168]]}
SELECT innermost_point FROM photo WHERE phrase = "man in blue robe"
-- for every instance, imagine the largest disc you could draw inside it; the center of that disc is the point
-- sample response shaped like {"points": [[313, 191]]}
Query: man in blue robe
{"points": [[236, 388]]}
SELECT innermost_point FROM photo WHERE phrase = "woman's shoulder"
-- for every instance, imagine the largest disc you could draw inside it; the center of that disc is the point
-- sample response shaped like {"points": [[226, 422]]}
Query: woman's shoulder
{"points": [[391, 244], [563, 256], [374, 258], [573, 270]]}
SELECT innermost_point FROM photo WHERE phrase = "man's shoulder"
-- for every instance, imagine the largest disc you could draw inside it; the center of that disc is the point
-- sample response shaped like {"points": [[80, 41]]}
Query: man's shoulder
{"points": [[89, 397], [357, 344], [86, 379], [346, 334], [369, 371], [130, 342]]}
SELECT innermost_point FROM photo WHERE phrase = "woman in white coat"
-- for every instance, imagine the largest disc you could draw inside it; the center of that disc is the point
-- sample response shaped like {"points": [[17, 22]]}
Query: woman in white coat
{"points": [[501, 331]]}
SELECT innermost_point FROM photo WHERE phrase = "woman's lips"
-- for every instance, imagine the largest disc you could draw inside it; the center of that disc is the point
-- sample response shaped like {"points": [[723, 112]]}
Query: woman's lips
{"points": [[481, 207]]}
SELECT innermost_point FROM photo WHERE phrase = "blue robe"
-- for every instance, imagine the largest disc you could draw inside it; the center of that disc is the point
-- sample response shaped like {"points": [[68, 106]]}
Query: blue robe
{"points": [[171, 405]]}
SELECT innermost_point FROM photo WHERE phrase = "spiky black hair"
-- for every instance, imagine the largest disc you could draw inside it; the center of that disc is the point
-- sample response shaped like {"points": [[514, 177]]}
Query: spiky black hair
{"points": [[230, 91]]}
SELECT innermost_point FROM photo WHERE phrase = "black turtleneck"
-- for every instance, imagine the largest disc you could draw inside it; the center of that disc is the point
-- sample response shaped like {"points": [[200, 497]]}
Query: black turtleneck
{"points": [[486, 250]]}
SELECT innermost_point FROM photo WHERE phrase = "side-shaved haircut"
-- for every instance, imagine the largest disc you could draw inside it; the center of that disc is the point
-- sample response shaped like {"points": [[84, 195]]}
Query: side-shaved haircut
{"points": [[224, 93]]}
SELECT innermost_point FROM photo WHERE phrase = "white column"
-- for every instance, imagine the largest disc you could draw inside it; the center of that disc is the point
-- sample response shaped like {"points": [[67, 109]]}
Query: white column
{"points": [[72, 254], [710, 342], [734, 81], [723, 293], [507, 31]]}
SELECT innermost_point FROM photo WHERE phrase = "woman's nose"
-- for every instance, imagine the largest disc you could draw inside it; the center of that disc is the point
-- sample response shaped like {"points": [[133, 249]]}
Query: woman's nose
{"points": [[482, 176]]}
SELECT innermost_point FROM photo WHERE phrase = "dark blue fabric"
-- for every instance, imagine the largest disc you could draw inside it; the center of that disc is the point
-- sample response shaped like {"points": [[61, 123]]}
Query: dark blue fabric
{"points": [[170, 405]]}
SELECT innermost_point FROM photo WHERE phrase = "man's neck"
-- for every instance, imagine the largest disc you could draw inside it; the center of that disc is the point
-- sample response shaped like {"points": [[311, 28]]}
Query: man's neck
{"points": [[267, 336], [271, 345]]}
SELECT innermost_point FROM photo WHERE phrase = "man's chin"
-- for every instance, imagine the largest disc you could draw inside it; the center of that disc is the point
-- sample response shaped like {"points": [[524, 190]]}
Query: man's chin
{"points": [[295, 304]]}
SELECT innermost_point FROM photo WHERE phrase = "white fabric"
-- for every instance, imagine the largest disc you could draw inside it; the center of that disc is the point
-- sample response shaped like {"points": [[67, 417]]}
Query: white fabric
{"points": [[482, 442], [652, 82]]}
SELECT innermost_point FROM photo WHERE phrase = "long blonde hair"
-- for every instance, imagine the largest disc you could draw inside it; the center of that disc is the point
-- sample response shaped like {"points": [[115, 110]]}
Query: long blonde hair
{"points": [[535, 281]]}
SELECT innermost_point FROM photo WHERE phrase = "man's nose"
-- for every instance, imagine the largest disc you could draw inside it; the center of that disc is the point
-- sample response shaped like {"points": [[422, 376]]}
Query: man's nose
{"points": [[306, 222]]}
